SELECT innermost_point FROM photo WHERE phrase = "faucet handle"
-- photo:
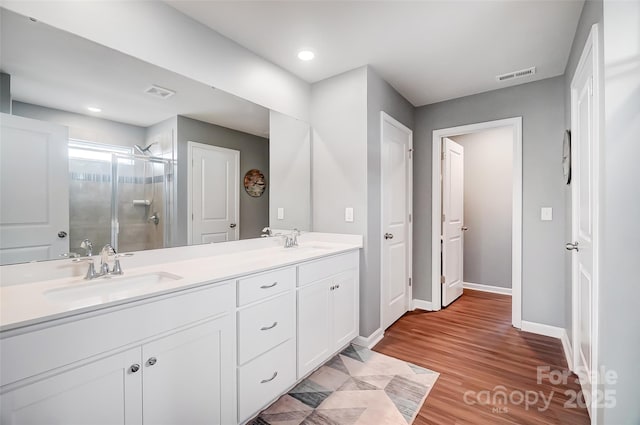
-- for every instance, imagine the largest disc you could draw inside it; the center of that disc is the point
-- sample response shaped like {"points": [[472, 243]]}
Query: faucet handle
{"points": [[87, 246]]}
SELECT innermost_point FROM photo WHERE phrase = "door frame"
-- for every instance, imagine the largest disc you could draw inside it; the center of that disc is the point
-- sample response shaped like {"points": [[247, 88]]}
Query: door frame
{"points": [[436, 210], [384, 117], [592, 45], [190, 146]]}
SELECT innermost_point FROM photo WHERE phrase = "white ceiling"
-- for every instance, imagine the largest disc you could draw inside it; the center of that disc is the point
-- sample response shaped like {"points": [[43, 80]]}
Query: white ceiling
{"points": [[429, 51], [53, 68]]}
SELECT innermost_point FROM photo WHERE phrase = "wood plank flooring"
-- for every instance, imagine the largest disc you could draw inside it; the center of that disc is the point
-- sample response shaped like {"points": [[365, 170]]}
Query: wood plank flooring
{"points": [[477, 352]]}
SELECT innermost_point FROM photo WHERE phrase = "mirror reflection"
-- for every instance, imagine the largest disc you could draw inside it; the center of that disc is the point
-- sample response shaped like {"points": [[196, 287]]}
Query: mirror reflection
{"points": [[102, 146]]}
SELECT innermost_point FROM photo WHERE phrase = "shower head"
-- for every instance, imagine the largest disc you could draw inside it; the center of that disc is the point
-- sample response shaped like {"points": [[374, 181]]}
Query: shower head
{"points": [[144, 151]]}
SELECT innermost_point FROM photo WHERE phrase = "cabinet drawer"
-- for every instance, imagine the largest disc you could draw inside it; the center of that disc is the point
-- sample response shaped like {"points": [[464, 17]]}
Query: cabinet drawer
{"points": [[265, 378], [265, 325], [264, 285], [323, 268]]}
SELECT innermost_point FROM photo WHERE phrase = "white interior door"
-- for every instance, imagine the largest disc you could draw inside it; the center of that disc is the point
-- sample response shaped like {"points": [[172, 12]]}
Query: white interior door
{"points": [[214, 193], [397, 142], [584, 217], [452, 220], [34, 190]]}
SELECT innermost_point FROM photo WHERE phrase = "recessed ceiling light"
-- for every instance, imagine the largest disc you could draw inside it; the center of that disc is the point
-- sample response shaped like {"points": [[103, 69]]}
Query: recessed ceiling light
{"points": [[94, 109], [306, 55]]}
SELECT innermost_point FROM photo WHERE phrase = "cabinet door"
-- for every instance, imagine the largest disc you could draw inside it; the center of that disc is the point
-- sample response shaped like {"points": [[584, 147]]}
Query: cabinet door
{"points": [[345, 311], [106, 391], [315, 324], [189, 376]]}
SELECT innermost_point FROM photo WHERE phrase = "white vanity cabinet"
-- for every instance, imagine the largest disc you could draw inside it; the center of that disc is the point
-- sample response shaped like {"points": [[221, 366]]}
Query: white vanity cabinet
{"points": [[160, 362], [328, 314], [266, 338]]}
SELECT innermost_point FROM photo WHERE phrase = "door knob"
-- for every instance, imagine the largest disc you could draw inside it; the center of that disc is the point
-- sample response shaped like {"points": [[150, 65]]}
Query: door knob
{"points": [[134, 368], [572, 246], [62, 234], [152, 361], [233, 225], [388, 235], [464, 228]]}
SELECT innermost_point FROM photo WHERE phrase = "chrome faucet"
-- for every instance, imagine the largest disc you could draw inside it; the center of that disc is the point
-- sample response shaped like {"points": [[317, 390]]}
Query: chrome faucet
{"points": [[292, 240], [266, 232], [106, 251]]}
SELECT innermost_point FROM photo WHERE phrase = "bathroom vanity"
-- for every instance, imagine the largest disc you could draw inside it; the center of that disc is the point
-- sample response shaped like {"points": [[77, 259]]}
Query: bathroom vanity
{"points": [[211, 337]]}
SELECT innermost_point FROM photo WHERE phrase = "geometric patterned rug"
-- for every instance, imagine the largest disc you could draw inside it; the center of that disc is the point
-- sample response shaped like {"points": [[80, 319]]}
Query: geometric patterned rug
{"points": [[356, 387]]}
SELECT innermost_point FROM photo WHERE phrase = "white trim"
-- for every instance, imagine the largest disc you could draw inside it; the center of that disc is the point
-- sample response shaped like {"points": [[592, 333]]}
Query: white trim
{"points": [[554, 332], [422, 305], [591, 44], [371, 340], [486, 288], [542, 329], [436, 210], [409, 237], [566, 347]]}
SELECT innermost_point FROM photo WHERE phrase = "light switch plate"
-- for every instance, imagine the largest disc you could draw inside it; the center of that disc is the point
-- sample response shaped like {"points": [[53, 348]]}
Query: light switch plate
{"points": [[280, 213], [348, 215], [546, 214]]}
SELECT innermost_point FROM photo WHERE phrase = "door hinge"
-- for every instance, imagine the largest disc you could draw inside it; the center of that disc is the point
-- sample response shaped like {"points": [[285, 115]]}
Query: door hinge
{"points": [[591, 86], [442, 279], [443, 155], [410, 153], [444, 217], [409, 218], [192, 217], [409, 281]]}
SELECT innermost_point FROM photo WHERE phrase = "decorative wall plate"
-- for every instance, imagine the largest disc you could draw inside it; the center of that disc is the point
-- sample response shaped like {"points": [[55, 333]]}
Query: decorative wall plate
{"points": [[254, 183]]}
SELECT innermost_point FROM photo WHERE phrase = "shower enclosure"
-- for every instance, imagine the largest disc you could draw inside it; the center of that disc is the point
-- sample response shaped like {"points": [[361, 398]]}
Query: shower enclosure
{"points": [[119, 195]]}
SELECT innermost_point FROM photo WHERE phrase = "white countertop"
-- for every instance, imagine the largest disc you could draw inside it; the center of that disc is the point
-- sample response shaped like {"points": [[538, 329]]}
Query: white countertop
{"points": [[35, 302]]}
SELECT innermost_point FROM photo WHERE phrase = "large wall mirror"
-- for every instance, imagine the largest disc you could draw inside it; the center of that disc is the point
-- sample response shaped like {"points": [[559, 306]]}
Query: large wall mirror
{"points": [[97, 145]]}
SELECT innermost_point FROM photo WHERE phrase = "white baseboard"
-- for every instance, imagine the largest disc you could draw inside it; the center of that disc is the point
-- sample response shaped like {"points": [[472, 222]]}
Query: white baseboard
{"points": [[422, 305], [486, 288], [540, 329], [566, 346], [371, 340]]}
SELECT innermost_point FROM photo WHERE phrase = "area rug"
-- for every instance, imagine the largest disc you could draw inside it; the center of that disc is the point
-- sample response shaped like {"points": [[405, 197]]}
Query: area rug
{"points": [[356, 387]]}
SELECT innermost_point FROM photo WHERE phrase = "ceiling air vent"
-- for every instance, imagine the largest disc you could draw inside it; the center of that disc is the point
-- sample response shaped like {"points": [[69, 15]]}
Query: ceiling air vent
{"points": [[517, 74], [160, 92]]}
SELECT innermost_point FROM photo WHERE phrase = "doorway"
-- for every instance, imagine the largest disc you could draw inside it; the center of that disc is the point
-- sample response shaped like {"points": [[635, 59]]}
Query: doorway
{"points": [[438, 260]]}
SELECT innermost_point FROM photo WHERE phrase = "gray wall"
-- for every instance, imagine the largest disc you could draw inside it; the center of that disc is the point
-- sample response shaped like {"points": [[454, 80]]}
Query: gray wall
{"points": [[290, 161], [541, 105], [488, 196], [254, 153], [83, 127], [5, 93], [620, 208], [381, 96], [591, 14], [345, 117]]}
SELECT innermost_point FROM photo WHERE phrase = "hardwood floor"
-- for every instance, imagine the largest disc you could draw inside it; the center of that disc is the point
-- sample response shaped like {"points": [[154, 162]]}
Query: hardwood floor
{"points": [[479, 355]]}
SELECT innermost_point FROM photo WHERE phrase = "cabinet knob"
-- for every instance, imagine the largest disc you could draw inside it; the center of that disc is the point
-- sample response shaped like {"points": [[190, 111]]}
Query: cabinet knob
{"points": [[337, 286], [264, 381], [134, 368], [152, 361]]}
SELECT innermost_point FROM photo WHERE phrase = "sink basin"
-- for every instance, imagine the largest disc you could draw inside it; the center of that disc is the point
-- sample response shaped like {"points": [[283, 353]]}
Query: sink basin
{"points": [[109, 287]]}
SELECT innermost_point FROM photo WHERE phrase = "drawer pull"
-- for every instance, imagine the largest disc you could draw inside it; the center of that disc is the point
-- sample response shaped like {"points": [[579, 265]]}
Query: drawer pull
{"points": [[269, 286], [266, 328], [264, 381]]}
